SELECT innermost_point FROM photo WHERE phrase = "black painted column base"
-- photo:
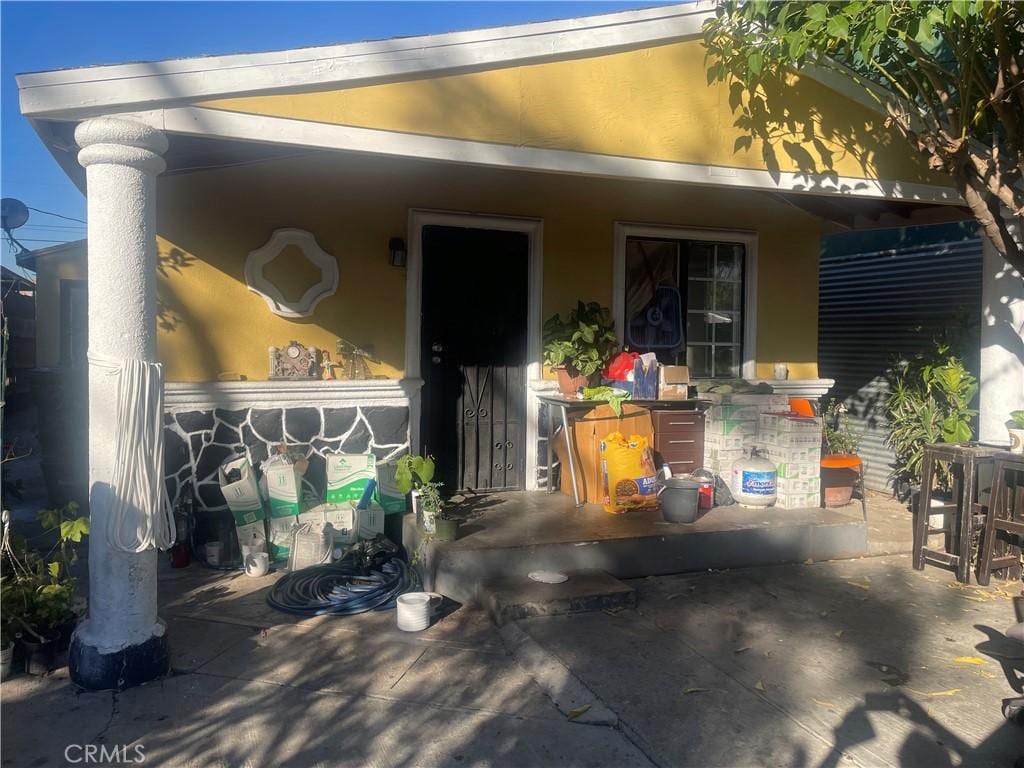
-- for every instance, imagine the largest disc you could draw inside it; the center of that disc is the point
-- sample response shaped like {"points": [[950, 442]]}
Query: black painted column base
{"points": [[122, 669]]}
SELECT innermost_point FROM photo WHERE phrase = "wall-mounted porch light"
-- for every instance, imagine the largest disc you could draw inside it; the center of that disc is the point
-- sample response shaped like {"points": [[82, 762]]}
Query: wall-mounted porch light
{"points": [[397, 252]]}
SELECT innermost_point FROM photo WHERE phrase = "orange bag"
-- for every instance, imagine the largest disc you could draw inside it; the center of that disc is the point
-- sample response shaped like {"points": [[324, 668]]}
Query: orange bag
{"points": [[627, 467]]}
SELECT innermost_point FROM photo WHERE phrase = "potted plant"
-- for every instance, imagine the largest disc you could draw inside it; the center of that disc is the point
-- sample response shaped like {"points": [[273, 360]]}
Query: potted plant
{"points": [[928, 402], [840, 466], [415, 475], [1015, 426], [447, 525], [38, 592], [577, 349]]}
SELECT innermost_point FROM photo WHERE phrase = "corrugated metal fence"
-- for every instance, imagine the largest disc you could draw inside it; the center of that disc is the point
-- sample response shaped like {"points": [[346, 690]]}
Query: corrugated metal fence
{"points": [[877, 306]]}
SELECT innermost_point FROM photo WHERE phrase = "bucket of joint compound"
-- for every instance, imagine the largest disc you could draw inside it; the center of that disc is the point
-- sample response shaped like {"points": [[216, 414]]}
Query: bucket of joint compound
{"points": [[754, 481]]}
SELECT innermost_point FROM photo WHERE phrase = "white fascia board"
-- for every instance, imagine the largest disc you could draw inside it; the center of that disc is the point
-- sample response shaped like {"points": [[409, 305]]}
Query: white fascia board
{"points": [[83, 92], [277, 130]]}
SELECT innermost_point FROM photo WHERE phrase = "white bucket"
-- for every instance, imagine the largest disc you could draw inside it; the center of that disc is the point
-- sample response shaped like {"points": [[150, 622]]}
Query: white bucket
{"points": [[257, 564], [413, 610], [214, 550]]}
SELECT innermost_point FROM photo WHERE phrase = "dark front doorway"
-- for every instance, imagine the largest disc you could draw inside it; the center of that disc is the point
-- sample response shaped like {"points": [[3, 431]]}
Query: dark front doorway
{"points": [[474, 304]]}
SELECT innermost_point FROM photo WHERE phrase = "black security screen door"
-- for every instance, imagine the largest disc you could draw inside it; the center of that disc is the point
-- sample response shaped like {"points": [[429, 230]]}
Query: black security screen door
{"points": [[475, 295]]}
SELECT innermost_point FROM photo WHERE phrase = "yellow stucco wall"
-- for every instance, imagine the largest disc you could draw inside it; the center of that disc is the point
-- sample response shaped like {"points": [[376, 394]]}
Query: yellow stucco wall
{"points": [[213, 327], [649, 103], [50, 270]]}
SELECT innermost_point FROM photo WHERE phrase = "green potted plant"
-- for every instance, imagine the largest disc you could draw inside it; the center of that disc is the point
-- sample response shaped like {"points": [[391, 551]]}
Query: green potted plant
{"points": [[578, 349], [929, 402], [38, 592], [447, 526], [1015, 426], [841, 467], [415, 475]]}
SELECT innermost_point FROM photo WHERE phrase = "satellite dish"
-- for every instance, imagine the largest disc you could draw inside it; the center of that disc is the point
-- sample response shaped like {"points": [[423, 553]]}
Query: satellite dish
{"points": [[14, 213]]}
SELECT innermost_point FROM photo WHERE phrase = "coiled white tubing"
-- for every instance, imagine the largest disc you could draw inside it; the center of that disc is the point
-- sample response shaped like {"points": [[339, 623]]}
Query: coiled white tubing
{"points": [[140, 515]]}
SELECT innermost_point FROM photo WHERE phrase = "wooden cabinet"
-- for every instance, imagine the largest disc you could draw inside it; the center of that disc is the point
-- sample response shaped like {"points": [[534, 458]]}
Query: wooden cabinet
{"points": [[679, 439]]}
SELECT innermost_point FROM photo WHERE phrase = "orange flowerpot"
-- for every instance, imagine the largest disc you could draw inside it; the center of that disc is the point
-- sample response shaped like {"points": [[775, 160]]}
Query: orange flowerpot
{"points": [[840, 473]]}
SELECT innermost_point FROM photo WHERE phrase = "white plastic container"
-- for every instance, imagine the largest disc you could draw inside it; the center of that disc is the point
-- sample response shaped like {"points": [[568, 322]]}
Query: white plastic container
{"points": [[754, 481]]}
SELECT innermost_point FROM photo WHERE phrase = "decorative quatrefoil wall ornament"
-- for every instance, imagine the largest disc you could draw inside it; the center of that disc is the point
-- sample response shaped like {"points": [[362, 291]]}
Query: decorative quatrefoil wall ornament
{"points": [[279, 304]]}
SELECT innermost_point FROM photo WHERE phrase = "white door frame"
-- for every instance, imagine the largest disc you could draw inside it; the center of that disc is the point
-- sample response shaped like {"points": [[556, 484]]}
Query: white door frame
{"points": [[748, 238], [534, 230]]}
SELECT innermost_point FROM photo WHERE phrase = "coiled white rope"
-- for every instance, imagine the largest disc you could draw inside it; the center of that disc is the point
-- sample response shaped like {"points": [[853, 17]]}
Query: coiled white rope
{"points": [[140, 515]]}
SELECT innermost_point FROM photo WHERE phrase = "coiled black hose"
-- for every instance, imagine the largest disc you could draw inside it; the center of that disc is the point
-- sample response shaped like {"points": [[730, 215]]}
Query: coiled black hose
{"points": [[342, 588]]}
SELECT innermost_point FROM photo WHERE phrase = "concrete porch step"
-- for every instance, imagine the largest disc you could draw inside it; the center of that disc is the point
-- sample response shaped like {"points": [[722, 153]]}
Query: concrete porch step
{"points": [[509, 535], [511, 598]]}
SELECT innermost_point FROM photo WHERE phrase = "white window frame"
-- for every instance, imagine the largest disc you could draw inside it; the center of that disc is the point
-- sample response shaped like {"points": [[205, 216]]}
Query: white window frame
{"points": [[534, 230], [747, 238]]}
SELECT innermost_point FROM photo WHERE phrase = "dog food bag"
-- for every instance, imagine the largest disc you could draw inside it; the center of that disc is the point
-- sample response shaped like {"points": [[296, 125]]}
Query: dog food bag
{"points": [[627, 466]]}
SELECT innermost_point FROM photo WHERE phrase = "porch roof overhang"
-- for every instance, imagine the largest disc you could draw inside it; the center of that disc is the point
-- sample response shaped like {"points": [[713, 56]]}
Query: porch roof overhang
{"points": [[164, 95]]}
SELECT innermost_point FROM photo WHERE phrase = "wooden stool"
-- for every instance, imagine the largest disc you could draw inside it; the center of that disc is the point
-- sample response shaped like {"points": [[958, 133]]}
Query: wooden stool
{"points": [[964, 461], [1005, 516]]}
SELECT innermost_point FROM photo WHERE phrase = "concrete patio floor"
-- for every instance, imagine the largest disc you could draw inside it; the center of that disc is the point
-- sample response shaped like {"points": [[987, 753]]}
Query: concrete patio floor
{"points": [[862, 662]]}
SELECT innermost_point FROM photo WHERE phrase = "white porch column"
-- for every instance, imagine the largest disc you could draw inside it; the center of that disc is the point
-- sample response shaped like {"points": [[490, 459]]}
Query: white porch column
{"points": [[1002, 343], [122, 642]]}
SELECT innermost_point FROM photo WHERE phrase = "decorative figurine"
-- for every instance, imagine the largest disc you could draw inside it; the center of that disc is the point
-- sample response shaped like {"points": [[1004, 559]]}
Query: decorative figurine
{"points": [[294, 362]]}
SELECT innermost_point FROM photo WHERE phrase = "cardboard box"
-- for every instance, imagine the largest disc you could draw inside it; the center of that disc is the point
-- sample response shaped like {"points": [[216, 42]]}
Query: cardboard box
{"points": [[342, 518], [797, 500], [766, 401], [727, 442], [369, 522], [244, 500], [785, 423], [348, 474], [796, 454], [591, 428], [280, 529], [284, 488], [388, 496], [732, 411], [673, 382], [800, 485], [727, 427], [797, 470]]}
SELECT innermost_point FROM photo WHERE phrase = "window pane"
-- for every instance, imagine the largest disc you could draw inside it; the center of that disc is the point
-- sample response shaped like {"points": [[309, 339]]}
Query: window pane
{"points": [[726, 362], [700, 257], [698, 359], [648, 262], [697, 328], [727, 297], [726, 327], [729, 264], [697, 295]]}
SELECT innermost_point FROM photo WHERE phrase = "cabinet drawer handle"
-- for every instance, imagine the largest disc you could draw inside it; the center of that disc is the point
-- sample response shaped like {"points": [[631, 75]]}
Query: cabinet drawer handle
{"points": [[682, 462], [682, 441], [681, 423]]}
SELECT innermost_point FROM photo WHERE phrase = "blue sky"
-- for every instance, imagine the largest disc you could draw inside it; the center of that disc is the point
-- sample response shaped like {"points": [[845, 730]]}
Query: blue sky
{"points": [[50, 35]]}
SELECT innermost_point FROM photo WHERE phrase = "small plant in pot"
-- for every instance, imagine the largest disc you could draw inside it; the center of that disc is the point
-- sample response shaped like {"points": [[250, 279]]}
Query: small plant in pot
{"points": [[415, 475], [1015, 426], [840, 466], [578, 349]]}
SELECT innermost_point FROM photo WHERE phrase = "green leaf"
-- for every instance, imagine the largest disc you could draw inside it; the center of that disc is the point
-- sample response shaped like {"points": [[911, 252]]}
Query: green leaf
{"points": [[755, 61], [882, 16], [817, 12], [839, 26], [53, 569], [74, 530]]}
